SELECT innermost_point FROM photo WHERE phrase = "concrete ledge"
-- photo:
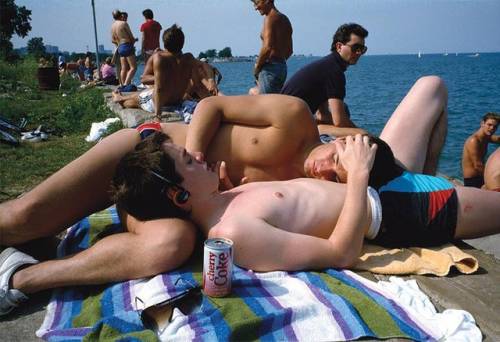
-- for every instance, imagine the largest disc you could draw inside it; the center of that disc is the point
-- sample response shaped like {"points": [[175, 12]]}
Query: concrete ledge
{"points": [[132, 117]]}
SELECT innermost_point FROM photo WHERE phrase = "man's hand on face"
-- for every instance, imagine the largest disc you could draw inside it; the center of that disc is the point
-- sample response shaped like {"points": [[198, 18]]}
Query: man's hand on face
{"points": [[224, 181], [198, 156], [357, 154]]}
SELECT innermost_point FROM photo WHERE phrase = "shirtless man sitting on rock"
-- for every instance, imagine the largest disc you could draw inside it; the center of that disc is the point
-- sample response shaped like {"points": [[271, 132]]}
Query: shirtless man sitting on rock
{"points": [[172, 74]]}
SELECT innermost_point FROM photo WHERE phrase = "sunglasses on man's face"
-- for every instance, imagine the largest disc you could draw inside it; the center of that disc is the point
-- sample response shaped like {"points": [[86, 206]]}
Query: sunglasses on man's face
{"points": [[358, 48]]}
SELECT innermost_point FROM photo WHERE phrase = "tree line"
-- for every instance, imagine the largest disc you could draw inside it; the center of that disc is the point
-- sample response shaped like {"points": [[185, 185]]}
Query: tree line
{"points": [[212, 53]]}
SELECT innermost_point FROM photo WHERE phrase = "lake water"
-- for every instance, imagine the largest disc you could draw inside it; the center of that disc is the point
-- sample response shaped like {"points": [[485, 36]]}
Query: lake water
{"points": [[377, 84]]}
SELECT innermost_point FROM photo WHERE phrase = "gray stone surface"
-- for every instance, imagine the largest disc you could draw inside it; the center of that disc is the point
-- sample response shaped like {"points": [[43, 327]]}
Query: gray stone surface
{"points": [[489, 244], [132, 117], [22, 324]]}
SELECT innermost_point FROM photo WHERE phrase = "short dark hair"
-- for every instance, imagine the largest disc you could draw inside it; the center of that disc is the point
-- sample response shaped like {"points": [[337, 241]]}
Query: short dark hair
{"points": [[173, 39], [384, 167], [147, 13], [117, 14], [491, 115], [343, 33], [137, 190]]}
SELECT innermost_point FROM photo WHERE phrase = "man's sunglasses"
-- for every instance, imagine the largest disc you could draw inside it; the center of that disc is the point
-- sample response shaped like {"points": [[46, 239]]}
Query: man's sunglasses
{"points": [[358, 48]]}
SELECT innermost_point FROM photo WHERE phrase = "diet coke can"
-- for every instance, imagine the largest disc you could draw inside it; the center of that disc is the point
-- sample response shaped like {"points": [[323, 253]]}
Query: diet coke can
{"points": [[217, 267]]}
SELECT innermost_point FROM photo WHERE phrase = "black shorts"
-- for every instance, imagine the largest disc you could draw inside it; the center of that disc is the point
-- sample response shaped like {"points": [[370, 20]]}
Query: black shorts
{"points": [[417, 210], [476, 182]]}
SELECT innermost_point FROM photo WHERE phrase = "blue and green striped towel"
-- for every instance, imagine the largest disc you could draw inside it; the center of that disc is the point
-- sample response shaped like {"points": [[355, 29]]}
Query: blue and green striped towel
{"points": [[329, 305]]}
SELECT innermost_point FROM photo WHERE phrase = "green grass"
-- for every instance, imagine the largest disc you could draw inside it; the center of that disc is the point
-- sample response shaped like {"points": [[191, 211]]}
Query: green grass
{"points": [[27, 165], [69, 112]]}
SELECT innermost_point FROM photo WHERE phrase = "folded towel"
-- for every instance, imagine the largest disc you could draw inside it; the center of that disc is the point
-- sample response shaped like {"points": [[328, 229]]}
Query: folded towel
{"points": [[328, 305], [415, 260]]}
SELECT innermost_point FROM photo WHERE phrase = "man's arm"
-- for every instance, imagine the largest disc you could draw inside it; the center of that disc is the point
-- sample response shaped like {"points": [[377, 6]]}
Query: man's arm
{"points": [[495, 139], [280, 111], [148, 74], [262, 247], [339, 116], [129, 33], [203, 78], [340, 131], [268, 41], [158, 86]]}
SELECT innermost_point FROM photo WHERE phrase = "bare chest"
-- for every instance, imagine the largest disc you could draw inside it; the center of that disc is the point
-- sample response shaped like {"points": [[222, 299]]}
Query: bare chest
{"points": [[299, 206]]}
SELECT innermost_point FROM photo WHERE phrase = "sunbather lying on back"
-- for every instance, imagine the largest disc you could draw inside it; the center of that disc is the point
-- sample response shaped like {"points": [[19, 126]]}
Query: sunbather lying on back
{"points": [[271, 137], [303, 223]]}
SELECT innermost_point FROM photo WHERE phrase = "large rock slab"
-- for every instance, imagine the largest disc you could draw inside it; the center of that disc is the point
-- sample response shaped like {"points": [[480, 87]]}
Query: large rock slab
{"points": [[133, 117]]}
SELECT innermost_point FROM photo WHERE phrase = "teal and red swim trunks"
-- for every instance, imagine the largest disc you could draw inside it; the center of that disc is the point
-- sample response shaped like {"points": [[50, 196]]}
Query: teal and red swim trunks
{"points": [[417, 210]]}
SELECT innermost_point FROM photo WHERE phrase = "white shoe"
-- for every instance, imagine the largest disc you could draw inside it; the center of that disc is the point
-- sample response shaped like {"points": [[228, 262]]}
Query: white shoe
{"points": [[10, 260]]}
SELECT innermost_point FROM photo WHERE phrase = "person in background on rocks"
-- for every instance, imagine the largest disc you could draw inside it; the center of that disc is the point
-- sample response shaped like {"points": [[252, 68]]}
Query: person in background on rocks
{"points": [[88, 68], [108, 72], [122, 37], [270, 69], [475, 149], [150, 35], [492, 172], [172, 74], [322, 83]]}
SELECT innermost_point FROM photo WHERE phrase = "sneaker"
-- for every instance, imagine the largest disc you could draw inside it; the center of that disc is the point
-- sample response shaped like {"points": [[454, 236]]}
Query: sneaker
{"points": [[35, 136], [10, 260]]}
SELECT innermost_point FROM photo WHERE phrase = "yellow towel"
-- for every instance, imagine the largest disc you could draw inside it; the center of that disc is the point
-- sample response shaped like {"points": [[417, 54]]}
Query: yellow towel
{"points": [[415, 260]]}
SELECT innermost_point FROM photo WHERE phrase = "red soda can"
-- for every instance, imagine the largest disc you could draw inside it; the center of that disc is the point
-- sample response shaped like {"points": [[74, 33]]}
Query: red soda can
{"points": [[217, 267]]}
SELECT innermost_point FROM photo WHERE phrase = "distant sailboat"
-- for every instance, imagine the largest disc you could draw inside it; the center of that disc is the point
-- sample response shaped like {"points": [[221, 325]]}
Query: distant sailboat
{"points": [[445, 54], [419, 54]]}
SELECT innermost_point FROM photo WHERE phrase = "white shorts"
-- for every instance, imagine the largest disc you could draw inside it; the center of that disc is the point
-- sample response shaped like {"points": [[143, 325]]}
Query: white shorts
{"points": [[146, 100]]}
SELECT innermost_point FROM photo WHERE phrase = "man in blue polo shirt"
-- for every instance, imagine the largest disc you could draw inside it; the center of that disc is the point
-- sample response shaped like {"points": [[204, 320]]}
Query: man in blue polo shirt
{"points": [[321, 84]]}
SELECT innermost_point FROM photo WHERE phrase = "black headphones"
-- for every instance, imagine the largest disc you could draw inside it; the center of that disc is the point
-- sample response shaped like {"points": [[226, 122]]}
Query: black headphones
{"points": [[181, 195]]}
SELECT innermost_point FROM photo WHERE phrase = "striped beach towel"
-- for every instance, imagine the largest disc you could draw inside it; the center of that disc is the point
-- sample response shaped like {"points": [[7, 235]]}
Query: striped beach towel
{"points": [[329, 305]]}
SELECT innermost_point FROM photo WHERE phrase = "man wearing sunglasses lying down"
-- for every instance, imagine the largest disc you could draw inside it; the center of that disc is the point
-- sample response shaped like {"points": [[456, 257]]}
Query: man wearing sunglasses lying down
{"points": [[322, 83], [268, 137]]}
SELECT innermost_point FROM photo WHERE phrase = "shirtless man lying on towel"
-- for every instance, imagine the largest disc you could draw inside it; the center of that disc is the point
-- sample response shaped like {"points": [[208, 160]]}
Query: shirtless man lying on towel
{"points": [[175, 76], [269, 137], [304, 223]]}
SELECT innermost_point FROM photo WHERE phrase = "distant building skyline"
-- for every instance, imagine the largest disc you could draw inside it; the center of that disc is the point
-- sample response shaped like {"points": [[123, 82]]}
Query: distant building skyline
{"points": [[395, 26]]}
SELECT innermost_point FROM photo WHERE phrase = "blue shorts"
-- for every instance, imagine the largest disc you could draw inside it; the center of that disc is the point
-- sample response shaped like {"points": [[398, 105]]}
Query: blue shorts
{"points": [[417, 210], [125, 49], [272, 77]]}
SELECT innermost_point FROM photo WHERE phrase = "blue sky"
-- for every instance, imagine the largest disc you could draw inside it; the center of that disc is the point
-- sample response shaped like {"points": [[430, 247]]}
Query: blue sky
{"points": [[395, 26]]}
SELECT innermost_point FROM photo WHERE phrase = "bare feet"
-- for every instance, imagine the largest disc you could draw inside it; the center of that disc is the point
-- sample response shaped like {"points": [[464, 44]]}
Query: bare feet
{"points": [[117, 96]]}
